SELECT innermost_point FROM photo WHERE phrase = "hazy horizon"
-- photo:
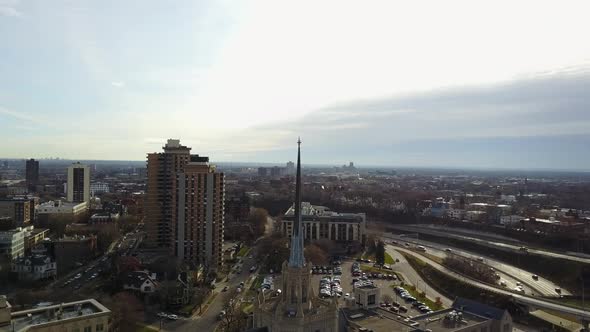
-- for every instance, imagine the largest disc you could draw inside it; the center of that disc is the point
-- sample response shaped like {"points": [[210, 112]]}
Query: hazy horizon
{"points": [[386, 84]]}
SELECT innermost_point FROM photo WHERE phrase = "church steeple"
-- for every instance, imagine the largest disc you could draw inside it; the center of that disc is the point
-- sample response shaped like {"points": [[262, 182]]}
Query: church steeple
{"points": [[296, 258]]}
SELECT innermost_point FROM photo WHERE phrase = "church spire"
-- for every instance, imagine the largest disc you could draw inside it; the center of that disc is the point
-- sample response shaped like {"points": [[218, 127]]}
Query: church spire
{"points": [[296, 258]]}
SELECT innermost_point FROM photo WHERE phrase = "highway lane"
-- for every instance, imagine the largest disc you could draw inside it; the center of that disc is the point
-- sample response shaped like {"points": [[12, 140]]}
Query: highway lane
{"points": [[542, 286], [528, 300], [510, 281], [445, 232]]}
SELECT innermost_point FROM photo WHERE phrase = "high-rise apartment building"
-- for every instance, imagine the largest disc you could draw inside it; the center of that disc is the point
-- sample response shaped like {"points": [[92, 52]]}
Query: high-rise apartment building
{"points": [[184, 205], [78, 189], [32, 174]]}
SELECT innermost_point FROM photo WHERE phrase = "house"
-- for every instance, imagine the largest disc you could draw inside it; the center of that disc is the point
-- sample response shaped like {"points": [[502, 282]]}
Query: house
{"points": [[141, 281], [35, 267]]}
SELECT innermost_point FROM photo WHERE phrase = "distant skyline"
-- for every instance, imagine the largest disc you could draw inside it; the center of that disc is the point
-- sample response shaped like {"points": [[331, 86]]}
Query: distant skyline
{"points": [[470, 84]]}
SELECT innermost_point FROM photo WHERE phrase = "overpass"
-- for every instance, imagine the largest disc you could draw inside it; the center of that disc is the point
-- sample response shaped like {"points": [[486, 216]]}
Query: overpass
{"points": [[531, 303], [496, 244]]}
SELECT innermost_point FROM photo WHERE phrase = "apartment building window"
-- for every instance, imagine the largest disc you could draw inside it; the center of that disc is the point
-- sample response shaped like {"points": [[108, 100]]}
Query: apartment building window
{"points": [[88, 329], [100, 327]]}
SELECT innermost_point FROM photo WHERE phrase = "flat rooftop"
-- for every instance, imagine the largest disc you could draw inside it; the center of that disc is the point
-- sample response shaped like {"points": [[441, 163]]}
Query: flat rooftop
{"points": [[307, 210], [380, 320], [447, 320], [21, 320]]}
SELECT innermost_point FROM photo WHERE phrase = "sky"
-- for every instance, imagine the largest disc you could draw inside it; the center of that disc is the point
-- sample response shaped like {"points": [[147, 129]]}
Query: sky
{"points": [[493, 84]]}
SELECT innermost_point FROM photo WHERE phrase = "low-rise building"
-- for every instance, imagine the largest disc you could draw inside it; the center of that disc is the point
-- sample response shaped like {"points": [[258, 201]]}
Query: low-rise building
{"points": [[99, 188], [463, 316], [61, 208], [12, 243], [141, 281], [83, 316], [34, 236], [104, 218], [367, 296], [319, 222], [511, 219], [34, 267]]}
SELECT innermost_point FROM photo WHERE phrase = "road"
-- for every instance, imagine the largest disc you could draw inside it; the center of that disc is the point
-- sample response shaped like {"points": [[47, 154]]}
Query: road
{"points": [[412, 277], [86, 275], [445, 232], [208, 321], [524, 299], [509, 273]]}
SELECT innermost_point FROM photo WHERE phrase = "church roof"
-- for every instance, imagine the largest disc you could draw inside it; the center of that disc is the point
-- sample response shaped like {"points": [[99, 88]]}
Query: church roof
{"points": [[296, 257]]}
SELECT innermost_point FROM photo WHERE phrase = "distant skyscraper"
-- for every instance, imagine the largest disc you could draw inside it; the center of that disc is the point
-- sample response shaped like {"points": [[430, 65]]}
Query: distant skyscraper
{"points": [[78, 183], [32, 174], [262, 171], [184, 205], [290, 169]]}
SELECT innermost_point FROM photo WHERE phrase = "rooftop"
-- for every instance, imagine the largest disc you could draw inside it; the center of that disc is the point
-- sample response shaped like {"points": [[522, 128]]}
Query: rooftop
{"points": [[22, 320], [448, 320], [307, 209]]}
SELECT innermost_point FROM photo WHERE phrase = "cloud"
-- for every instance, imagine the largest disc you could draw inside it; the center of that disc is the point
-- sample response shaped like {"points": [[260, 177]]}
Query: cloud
{"points": [[7, 8], [17, 115], [118, 84]]}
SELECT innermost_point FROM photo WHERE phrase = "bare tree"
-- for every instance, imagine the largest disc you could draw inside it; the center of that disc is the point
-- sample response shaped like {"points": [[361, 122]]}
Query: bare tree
{"points": [[234, 319], [316, 254]]}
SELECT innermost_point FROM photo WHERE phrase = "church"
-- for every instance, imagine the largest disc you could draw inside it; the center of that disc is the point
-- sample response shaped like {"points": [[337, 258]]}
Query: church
{"points": [[296, 308]]}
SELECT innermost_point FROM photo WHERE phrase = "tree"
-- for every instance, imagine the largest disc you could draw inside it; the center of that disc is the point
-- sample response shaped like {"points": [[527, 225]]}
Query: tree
{"points": [[200, 296], [371, 240], [125, 310], [326, 245], [380, 253], [106, 236], [316, 255], [258, 218], [165, 266], [234, 319], [127, 223], [273, 251]]}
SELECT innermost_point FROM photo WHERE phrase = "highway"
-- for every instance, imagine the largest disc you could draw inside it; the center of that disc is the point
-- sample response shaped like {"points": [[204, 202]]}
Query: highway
{"points": [[523, 299], [446, 232], [412, 277], [509, 273]]}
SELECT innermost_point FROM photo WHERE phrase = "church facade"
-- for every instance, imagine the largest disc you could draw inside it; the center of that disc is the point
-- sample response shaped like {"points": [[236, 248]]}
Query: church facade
{"points": [[296, 308]]}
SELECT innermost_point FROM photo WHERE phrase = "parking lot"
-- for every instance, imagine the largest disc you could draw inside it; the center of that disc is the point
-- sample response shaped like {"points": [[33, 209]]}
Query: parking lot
{"points": [[346, 283]]}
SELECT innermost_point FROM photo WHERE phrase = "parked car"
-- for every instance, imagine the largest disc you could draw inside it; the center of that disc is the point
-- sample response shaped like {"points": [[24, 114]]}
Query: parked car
{"points": [[535, 277]]}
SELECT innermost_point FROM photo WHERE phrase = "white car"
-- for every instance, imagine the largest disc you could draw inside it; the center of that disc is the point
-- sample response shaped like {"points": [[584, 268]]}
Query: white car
{"points": [[162, 315], [503, 283], [173, 317]]}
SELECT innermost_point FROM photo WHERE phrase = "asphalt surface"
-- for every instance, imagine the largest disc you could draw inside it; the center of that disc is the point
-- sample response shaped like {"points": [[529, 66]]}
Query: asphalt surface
{"points": [[90, 273], [527, 300], [446, 232], [511, 274], [208, 321]]}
